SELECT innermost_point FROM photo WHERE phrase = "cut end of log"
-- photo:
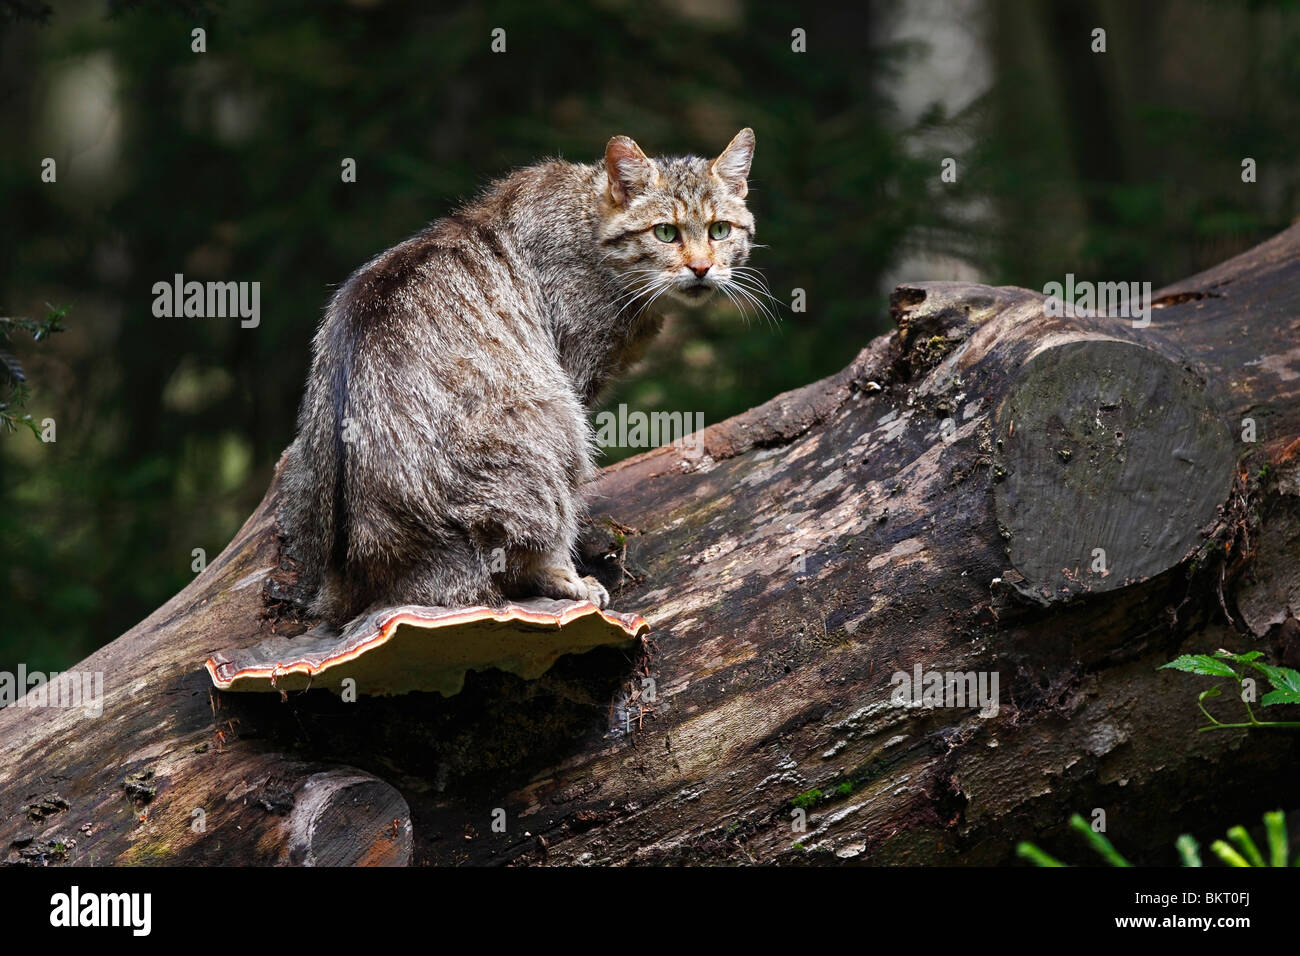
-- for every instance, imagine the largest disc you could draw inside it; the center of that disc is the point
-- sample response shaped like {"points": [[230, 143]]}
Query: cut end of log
{"points": [[1111, 462], [414, 648], [344, 817]]}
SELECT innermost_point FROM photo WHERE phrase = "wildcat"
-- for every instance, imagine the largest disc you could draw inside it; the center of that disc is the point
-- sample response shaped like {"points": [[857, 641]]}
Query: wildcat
{"points": [[443, 441]]}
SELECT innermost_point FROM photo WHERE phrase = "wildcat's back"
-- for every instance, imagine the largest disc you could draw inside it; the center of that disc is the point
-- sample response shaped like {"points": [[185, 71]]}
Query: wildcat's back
{"points": [[437, 427], [443, 442]]}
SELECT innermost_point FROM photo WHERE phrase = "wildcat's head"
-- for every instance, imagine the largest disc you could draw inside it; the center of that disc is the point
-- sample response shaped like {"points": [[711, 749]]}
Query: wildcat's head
{"points": [[677, 226]]}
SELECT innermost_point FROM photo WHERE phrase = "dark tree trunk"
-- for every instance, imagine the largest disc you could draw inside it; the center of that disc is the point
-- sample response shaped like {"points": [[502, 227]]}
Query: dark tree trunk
{"points": [[938, 504]]}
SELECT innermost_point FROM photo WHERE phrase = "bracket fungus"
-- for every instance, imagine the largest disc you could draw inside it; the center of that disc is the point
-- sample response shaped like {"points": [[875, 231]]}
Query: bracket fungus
{"points": [[401, 649]]}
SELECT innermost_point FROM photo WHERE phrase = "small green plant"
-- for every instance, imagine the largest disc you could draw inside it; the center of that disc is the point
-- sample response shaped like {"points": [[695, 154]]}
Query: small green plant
{"points": [[1028, 851], [808, 799], [13, 382], [1284, 680], [1244, 853]]}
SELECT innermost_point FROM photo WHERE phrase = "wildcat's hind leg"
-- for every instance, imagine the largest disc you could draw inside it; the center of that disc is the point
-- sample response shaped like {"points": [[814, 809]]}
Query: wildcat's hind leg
{"points": [[451, 573]]}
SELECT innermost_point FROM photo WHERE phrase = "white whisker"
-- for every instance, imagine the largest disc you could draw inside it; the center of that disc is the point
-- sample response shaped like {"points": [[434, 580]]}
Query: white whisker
{"points": [[758, 304]]}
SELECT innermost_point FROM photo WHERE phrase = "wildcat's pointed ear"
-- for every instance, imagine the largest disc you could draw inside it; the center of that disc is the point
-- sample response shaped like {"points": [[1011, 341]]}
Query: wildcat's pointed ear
{"points": [[629, 170], [732, 165]]}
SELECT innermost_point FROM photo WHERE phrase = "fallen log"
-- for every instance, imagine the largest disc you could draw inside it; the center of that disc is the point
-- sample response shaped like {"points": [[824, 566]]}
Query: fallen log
{"points": [[1053, 505]]}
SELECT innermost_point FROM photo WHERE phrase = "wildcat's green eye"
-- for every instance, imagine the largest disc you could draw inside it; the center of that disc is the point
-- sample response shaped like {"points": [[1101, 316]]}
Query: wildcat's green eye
{"points": [[665, 232], [719, 230]]}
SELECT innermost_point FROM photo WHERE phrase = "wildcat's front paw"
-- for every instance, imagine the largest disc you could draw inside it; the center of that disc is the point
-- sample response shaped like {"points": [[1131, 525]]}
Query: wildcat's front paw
{"points": [[596, 592], [564, 583]]}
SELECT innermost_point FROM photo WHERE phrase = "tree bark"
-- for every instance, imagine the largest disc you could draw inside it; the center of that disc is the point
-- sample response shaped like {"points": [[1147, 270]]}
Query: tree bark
{"points": [[939, 504]]}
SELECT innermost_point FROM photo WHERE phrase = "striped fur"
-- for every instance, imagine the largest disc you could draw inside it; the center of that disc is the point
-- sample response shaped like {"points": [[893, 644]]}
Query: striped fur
{"points": [[443, 440]]}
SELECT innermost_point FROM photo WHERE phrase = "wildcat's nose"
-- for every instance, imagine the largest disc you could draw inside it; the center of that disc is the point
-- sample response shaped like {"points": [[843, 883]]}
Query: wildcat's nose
{"points": [[699, 266]]}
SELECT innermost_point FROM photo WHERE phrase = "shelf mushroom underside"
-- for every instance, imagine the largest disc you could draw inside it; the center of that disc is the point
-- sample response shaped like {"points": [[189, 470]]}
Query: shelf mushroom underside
{"points": [[411, 648]]}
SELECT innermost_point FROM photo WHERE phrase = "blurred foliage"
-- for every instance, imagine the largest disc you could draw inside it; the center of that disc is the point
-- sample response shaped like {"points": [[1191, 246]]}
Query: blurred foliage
{"points": [[225, 165]]}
